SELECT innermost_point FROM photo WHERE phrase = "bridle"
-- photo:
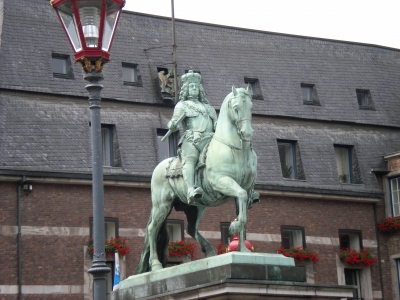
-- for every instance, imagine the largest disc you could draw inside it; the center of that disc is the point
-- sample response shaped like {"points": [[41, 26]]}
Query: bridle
{"points": [[237, 121]]}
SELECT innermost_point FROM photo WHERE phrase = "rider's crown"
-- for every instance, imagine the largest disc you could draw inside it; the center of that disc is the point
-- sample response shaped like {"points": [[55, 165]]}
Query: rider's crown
{"points": [[191, 77]]}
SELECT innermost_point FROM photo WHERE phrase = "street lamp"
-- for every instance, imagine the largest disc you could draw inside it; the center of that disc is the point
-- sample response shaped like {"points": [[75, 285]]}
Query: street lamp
{"points": [[90, 26]]}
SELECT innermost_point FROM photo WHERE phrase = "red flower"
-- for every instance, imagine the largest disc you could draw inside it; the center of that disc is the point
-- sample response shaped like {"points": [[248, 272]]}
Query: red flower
{"points": [[389, 224], [111, 246], [181, 248], [299, 254], [355, 257]]}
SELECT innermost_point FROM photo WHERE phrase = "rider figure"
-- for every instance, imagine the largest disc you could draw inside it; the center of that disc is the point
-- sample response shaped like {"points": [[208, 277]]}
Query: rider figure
{"points": [[199, 121]]}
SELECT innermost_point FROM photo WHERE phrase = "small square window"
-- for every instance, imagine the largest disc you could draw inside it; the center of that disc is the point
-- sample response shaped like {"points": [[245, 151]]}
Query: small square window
{"points": [[255, 87], [364, 99], [131, 74], [309, 94], [175, 230], [293, 236], [167, 148], [350, 239], [61, 66]]}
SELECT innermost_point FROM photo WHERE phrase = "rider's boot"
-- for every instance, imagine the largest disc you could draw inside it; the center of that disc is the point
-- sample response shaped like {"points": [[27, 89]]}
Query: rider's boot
{"points": [[194, 192]]}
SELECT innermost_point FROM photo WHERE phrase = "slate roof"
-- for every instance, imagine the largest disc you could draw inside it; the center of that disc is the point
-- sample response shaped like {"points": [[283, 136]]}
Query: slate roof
{"points": [[44, 120]]}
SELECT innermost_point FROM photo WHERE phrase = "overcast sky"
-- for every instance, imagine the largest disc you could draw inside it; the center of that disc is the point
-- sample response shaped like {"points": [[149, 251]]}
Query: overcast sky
{"points": [[368, 21]]}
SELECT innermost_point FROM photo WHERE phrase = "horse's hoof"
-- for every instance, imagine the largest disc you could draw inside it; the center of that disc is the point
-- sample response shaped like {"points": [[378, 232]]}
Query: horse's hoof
{"points": [[156, 266]]}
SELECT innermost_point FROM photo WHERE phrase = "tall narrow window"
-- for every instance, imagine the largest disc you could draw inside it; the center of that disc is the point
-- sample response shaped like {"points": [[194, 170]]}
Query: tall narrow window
{"points": [[107, 138], [398, 274], [226, 238], [290, 159], [343, 163], [292, 236], [352, 277], [394, 184], [167, 148]]}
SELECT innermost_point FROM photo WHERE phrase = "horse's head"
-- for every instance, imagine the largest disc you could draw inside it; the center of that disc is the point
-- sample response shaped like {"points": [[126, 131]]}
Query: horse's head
{"points": [[240, 107]]}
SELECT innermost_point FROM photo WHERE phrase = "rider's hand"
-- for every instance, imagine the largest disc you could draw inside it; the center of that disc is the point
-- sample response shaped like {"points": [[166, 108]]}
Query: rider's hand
{"points": [[172, 125]]}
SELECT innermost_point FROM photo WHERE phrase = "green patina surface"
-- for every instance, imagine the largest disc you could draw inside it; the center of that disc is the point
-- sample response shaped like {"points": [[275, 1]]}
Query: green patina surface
{"points": [[207, 263]]}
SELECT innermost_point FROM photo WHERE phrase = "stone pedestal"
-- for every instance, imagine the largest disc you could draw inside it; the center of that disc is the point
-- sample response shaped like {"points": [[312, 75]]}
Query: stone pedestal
{"points": [[232, 275]]}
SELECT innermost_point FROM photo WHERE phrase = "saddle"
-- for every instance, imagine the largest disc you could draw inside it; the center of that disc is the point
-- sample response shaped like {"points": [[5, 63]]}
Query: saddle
{"points": [[175, 166]]}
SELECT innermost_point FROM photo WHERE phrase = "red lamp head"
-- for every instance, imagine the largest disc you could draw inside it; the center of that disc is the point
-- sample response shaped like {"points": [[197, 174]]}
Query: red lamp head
{"points": [[89, 25]]}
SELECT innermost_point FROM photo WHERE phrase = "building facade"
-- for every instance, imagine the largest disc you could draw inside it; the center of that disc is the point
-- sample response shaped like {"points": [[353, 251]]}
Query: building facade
{"points": [[324, 114]]}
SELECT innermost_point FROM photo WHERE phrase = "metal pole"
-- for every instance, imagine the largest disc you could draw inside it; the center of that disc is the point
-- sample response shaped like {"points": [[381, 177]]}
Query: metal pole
{"points": [[174, 53], [99, 268]]}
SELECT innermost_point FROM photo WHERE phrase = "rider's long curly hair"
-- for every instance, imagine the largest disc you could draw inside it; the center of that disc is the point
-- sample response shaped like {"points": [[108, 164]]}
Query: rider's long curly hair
{"points": [[185, 92]]}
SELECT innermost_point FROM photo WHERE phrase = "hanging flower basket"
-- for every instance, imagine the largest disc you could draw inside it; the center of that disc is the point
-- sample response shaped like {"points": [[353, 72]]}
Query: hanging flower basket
{"points": [[356, 257], [300, 254], [389, 225], [181, 248], [111, 246]]}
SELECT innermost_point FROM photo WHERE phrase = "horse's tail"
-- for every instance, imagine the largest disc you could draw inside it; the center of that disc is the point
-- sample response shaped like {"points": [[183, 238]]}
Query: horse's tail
{"points": [[162, 249], [143, 265]]}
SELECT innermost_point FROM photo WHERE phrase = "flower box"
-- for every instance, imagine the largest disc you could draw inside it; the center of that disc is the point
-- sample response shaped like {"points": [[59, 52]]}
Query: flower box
{"points": [[389, 225], [181, 248], [356, 257], [111, 246], [300, 254]]}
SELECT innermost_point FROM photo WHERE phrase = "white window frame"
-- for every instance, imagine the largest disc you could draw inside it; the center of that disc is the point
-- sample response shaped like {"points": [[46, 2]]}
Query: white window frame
{"points": [[107, 145], [175, 230], [296, 237], [129, 73], [289, 149], [168, 148], [344, 163]]}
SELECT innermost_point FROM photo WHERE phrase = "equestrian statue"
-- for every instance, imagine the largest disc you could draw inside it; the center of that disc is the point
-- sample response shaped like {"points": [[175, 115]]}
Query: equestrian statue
{"points": [[215, 163]]}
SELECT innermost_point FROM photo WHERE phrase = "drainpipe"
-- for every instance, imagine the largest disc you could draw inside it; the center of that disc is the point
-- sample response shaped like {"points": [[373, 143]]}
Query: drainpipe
{"points": [[19, 238], [379, 250]]}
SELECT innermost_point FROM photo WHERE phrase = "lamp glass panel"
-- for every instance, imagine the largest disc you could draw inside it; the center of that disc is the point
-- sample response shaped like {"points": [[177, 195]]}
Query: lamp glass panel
{"points": [[112, 14], [68, 19], [89, 13]]}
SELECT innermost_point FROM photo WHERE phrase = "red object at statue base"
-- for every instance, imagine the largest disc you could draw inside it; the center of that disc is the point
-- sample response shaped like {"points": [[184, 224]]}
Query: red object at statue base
{"points": [[234, 245]]}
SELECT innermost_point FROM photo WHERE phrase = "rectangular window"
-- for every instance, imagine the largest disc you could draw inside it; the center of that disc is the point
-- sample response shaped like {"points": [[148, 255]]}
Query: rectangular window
{"points": [[288, 159], [111, 227], [226, 238], [350, 239], [352, 277], [293, 236], [175, 230], [398, 274], [131, 74], [394, 184], [306, 93], [343, 163], [362, 98], [107, 143], [167, 148], [61, 66]]}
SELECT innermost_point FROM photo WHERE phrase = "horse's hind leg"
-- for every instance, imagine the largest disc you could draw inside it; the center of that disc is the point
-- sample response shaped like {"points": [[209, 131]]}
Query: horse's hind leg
{"points": [[193, 215]]}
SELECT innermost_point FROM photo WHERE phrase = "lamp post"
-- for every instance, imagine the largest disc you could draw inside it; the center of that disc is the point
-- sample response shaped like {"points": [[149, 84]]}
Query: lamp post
{"points": [[90, 26]]}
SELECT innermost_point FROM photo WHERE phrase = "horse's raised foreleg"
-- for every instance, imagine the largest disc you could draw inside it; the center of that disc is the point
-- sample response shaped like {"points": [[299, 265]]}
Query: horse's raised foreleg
{"points": [[228, 186], [193, 215]]}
